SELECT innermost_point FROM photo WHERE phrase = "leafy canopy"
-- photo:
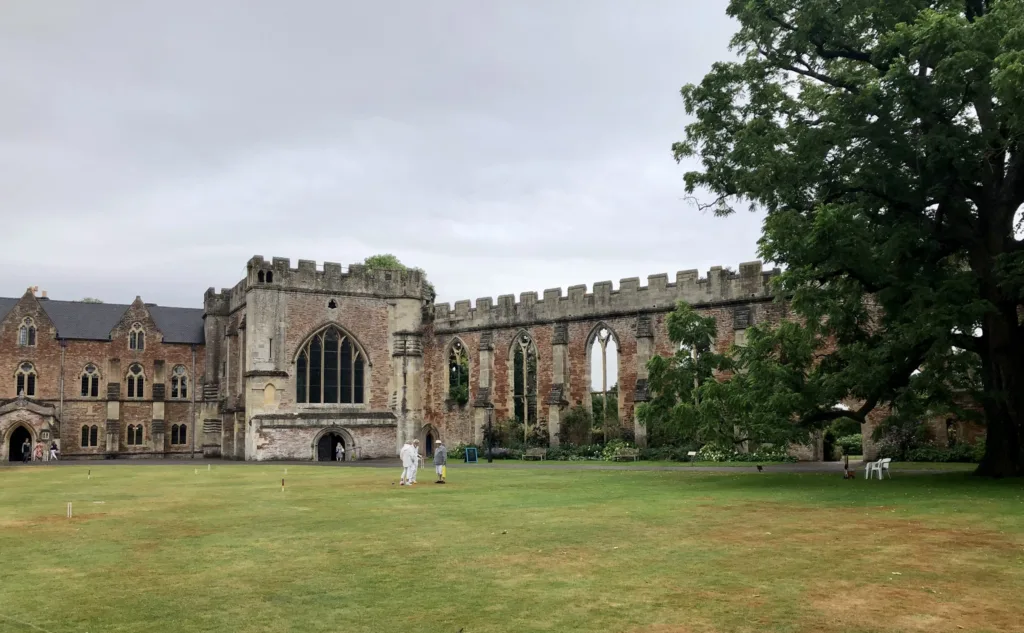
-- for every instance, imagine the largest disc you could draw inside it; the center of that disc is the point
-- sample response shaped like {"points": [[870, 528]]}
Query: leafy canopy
{"points": [[884, 140]]}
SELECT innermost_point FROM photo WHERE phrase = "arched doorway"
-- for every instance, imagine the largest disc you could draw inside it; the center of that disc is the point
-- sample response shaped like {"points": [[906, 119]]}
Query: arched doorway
{"points": [[327, 447], [18, 437], [427, 436]]}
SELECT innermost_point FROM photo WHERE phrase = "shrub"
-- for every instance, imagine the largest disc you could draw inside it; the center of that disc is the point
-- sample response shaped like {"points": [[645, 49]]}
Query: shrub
{"points": [[575, 426], [710, 453], [612, 447], [667, 453], [458, 452], [570, 452], [851, 444], [965, 453]]}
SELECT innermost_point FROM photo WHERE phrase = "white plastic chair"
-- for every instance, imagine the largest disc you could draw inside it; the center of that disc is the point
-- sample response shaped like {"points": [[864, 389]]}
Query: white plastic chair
{"points": [[869, 467], [881, 466]]}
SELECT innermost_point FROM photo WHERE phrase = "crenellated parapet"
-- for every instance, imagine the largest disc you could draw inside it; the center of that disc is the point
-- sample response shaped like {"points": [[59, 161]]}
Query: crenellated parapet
{"points": [[355, 279], [751, 283]]}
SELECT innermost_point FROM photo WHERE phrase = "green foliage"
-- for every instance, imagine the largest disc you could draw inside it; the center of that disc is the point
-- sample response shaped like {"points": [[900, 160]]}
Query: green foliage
{"points": [[692, 401], [844, 427], [964, 453], [883, 139], [613, 447], [851, 444], [667, 453], [687, 404], [575, 453], [576, 426], [387, 261], [384, 261], [459, 394], [712, 453], [458, 375]]}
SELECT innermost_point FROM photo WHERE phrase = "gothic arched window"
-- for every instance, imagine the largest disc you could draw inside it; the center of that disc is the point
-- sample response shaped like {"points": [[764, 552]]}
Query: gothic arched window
{"points": [[90, 436], [25, 378], [136, 381], [137, 337], [179, 383], [27, 333], [179, 434], [524, 381], [458, 373], [330, 369], [135, 435], [90, 382]]}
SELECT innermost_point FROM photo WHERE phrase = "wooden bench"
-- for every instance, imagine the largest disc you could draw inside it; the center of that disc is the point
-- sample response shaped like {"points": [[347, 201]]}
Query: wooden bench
{"points": [[627, 453], [538, 453]]}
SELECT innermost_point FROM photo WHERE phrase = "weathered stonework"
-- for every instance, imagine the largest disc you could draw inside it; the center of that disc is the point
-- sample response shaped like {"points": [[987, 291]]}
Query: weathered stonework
{"points": [[71, 336], [242, 360]]}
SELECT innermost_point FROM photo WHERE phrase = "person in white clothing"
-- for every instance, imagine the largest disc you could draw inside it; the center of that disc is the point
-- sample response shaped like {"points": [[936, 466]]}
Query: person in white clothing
{"points": [[415, 459], [407, 456]]}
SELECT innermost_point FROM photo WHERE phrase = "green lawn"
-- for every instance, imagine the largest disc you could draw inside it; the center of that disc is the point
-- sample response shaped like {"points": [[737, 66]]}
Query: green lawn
{"points": [[154, 549]]}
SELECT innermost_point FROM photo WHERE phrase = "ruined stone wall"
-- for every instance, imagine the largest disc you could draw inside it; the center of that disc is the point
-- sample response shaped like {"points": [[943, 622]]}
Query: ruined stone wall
{"points": [[563, 329]]}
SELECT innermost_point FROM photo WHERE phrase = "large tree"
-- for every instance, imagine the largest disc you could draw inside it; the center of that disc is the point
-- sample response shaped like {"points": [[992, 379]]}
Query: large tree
{"points": [[884, 139]]}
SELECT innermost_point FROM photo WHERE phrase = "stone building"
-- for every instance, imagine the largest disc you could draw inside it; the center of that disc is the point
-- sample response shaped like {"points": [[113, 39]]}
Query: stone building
{"points": [[292, 362], [99, 379]]}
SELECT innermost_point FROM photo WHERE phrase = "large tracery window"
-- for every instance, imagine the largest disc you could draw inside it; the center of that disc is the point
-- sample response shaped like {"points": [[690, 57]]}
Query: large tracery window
{"points": [[524, 381], [25, 378], [330, 369]]}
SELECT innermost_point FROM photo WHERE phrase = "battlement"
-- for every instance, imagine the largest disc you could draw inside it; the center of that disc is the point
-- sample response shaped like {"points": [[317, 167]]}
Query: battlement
{"points": [[331, 277], [720, 286]]}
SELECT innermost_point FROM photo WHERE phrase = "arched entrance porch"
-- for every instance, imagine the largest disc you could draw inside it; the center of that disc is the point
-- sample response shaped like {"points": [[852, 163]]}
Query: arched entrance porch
{"points": [[22, 419], [326, 444], [17, 438]]}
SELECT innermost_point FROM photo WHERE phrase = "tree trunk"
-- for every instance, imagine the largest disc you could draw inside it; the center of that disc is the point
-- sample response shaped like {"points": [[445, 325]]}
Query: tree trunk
{"points": [[1003, 375]]}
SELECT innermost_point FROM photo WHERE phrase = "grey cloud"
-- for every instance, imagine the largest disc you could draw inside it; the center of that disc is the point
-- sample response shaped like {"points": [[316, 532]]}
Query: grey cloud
{"points": [[151, 148]]}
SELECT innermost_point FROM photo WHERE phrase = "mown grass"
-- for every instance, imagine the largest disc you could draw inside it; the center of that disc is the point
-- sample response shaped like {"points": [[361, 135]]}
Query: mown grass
{"points": [[154, 548]]}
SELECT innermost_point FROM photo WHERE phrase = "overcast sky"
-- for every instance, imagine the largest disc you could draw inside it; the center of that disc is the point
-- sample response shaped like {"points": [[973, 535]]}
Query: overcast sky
{"points": [[150, 147]]}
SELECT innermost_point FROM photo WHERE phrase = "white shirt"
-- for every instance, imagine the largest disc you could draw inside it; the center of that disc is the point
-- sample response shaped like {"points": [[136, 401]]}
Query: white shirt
{"points": [[407, 456]]}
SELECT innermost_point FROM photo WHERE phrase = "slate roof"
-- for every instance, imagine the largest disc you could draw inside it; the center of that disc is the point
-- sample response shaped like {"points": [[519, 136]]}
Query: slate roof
{"points": [[94, 321]]}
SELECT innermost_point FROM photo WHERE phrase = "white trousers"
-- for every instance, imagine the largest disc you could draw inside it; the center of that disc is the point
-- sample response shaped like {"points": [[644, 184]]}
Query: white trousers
{"points": [[407, 473], [412, 473]]}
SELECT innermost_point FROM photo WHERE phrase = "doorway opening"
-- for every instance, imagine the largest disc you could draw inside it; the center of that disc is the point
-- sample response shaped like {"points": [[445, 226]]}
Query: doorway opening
{"points": [[429, 441], [18, 437], [327, 448]]}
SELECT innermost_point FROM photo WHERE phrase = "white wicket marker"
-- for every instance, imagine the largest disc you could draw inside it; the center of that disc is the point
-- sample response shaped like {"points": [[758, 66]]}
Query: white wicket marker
{"points": [[69, 509]]}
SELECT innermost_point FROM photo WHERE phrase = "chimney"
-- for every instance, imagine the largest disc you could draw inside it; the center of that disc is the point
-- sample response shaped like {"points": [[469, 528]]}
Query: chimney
{"points": [[44, 294]]}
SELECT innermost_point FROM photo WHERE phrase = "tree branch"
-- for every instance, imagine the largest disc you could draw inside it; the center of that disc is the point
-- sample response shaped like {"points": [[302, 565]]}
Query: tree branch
{"points": [[808, 72], [899, 377]]}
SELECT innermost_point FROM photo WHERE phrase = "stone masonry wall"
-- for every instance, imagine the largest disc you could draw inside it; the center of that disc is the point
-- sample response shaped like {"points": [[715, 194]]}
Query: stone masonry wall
{"points": [[297, 443], [632, 314], [112, 359]]}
